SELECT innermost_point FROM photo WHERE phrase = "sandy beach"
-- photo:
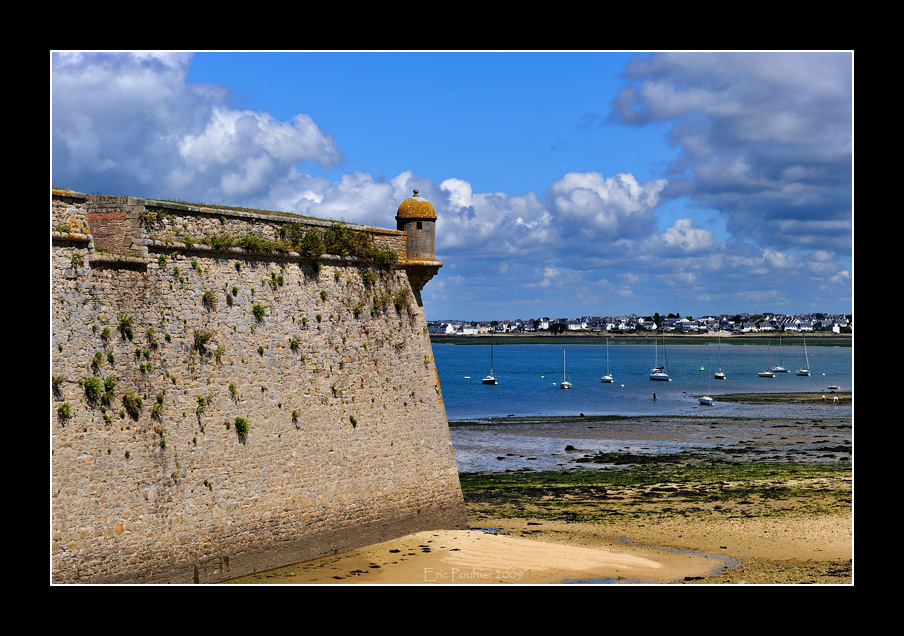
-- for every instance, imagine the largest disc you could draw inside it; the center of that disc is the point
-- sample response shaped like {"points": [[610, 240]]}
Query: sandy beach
{"points": [[477, 557], [792, 548], [779, 515]]}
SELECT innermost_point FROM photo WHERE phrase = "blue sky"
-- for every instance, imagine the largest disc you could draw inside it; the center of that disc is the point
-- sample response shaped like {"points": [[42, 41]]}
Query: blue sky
{"points": [[565, 183]]}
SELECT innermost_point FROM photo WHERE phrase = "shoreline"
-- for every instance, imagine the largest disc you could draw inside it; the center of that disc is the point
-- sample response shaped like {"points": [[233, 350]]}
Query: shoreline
{"points": [[809, 397], [812, 339]]}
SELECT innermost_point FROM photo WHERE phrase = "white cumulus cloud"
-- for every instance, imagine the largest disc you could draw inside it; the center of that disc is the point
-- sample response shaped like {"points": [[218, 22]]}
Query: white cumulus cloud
{"points": [[132, 123], [606, 207]]}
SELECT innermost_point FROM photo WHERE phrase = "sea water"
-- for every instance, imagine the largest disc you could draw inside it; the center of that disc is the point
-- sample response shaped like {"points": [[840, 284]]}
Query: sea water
{"points": [[529, 377]]}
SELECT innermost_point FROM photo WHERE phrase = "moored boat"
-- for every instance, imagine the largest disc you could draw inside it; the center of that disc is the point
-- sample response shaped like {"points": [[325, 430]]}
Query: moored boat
{"points": [[608, 377], [660, 372], [565, 383], [780, 368], [719, 375], [768, 373], [805, 370], [707, 399], [490, 379]]}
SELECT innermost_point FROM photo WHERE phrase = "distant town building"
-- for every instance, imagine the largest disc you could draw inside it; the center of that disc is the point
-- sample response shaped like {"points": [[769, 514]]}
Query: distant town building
{"points": [[724, 323]]}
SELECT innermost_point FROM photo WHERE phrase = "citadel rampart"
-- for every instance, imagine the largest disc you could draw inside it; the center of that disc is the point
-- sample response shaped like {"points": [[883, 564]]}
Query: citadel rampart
{"points": [[236, 391]]}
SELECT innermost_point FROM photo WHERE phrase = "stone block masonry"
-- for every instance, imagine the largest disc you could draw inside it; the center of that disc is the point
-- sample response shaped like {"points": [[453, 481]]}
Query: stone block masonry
{"points": [[220, 409]]}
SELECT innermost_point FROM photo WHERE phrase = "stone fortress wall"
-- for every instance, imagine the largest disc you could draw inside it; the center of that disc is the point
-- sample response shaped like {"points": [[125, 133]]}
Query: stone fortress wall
{"points": [[224, 402]]}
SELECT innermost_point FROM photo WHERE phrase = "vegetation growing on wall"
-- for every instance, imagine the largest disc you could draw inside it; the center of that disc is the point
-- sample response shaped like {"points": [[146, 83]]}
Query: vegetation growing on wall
{"points": [[92, 388], [125, 326], [337, 240], [375, 285], [157, 302], [202, 337], [157, 409], [132, 404], [401, 299], [241, 429], [209, 300], [107, 395], [151, 217]]}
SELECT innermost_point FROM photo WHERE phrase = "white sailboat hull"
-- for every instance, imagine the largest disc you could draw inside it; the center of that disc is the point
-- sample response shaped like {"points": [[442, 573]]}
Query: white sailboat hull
{"points": [[706, 400]]}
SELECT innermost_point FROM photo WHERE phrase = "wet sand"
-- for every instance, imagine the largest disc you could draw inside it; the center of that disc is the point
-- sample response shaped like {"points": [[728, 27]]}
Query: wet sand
{"points": [[476, 557], [791, 529]]}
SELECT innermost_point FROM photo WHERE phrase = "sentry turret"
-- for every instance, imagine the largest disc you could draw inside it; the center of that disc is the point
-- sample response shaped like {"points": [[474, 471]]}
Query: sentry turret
{"points": [[417, 218]]}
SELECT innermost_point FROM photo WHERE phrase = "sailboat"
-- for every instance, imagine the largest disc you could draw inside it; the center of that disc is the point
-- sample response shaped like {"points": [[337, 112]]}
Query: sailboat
{"points": [[707, 399], [490, 379], [780, 368], [768, 373], [608, 377], [719, 375], [805, 370], [565, 383], [660, 372]]}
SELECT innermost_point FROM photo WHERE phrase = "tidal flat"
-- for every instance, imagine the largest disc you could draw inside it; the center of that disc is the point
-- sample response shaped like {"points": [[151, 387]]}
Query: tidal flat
{"points": [[773, 495]]}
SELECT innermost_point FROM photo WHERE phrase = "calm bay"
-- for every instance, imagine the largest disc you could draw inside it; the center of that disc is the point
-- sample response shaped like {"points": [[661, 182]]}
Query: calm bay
{"points": [[529, 377]]}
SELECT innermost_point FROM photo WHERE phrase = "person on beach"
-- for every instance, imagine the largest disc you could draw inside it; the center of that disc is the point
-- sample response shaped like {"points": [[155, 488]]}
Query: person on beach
{"points": [[654, 396]]}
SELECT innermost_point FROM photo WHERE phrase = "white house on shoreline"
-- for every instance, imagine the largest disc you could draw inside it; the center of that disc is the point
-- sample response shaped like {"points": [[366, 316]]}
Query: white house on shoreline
{"points": [[724, 323]]}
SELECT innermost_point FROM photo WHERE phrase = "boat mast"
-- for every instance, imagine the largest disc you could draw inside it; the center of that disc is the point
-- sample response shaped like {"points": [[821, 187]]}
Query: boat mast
{"points": [[665, 355], [608, 377]]}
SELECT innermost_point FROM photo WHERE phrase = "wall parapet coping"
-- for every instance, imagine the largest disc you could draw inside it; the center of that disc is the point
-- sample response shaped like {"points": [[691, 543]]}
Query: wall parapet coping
{"points": [[123, 227], [68, 194], [128, 243], [279, 217], [276, 217]]}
